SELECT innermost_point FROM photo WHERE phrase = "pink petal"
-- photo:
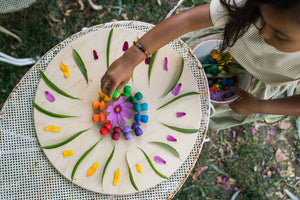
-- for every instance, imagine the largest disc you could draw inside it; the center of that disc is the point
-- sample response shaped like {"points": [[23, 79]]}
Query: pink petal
{"points": [[176, 89], [253, 129], [147, 61], [95, 55], [263, 162], [125, 46], [126, 113], [159, 160], [171, 138], [180, 114], [113, 118], [166, 64], [121, 120], [49, 96]]}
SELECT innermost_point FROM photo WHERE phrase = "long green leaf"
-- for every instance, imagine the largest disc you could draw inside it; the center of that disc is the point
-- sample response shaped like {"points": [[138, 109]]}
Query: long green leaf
{"points": [[217, 169], [106, 164], [177, 77], [108, 47], [298, 125], [51, 114], [291, 195], [170, 148], [65, 141], [82, 158], [151, 62], [130, 174], [179, 97], [54, 87], [182, 130], [80, 64], [152, 166]]}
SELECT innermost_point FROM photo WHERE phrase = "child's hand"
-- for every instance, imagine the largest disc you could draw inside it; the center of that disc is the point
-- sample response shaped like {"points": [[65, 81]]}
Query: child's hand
{"points": [[246, 104], [117, 75]]}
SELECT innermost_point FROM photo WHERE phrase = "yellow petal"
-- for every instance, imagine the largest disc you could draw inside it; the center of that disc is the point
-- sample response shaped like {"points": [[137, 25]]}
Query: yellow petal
{"points": [[138, 168], [64, 68], [68, 153], [52, 128], [117, 177], [93, 169]]}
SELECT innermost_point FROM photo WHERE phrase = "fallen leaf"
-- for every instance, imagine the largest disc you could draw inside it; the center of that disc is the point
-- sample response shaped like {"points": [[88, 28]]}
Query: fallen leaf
{"points": [[284, 125], [280, 156], [67, 13], [279, 194], [124, 15]]}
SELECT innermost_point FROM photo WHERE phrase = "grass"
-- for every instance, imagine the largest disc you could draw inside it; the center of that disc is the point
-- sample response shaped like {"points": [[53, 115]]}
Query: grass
{"points": [[48, 22]]}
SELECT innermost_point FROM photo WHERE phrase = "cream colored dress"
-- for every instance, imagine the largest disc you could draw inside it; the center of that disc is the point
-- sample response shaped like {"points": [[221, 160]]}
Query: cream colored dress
{"points": [[275, 73]]}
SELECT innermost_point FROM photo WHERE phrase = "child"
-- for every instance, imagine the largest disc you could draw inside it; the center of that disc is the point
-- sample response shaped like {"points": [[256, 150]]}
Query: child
{"points": [[262, 35]]}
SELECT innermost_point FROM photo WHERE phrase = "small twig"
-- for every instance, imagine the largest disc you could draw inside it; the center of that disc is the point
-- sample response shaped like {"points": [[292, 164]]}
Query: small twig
{"points": [[94, 6], [4, 30]]}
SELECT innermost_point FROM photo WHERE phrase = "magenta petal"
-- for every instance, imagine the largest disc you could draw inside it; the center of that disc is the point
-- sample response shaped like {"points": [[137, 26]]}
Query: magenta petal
{"points": [[159, 160], [121, 120], [176, 89], [126, 113], [95, 55], [147, 61], [180, 114], [110, 109], [125, 46], [171, 138], [166, 64], [49, 96]]}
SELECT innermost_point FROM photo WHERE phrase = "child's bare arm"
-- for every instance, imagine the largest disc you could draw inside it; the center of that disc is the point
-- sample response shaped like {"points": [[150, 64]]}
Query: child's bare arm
{"points": [[248, 104], [120, 71]]}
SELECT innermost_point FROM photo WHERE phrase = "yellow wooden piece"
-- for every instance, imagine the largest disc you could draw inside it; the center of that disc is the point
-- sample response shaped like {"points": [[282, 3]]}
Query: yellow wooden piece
{"points": [[68, 153], [117, 177], [52, 128], [104, 97], [93, 169], [64, 68], [138, 168]]}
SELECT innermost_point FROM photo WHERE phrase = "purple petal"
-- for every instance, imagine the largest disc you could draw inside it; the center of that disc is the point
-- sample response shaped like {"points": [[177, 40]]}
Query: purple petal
{"points": [[95, 55], [171, 138], [126, 113], [110, 109], [125, 46], [279, 171], [166, 64], [271, 132], [147, 61], [265, 170], [127, 106], [224, 180], [180, 114], [49, 96], [228, 188], [113, 118], [233, 134], [122, 99], [121, 120], [159, 160], [253, 129], [265, 176], [176, 89], [263, 162]]}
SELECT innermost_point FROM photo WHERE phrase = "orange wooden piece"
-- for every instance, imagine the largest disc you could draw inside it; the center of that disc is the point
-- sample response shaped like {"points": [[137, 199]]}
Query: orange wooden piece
{"points": [[96, 104], [102, 117], [96, 118]]}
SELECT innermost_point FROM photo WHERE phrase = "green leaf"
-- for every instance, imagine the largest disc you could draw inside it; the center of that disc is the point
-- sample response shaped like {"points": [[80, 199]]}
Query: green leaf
{"points": [[80, 64], [170, 148], [151, 62], [130, 174], [182, 130], [293, 197], [106, 164], [235, 195], [216, 168], [65, 141], [179, 97], [108, 47], [177, 77], [54, 87], [51, 114], [82, 158], [298, 125], [152, 166]]}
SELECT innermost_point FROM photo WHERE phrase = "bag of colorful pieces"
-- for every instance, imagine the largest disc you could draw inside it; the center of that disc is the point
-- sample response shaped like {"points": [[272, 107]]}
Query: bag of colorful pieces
{"points": [[222, 83]]}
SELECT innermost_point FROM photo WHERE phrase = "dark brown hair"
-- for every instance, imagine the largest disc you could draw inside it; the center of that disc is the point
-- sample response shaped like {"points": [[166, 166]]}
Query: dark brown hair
{"points": [[241, 17]]}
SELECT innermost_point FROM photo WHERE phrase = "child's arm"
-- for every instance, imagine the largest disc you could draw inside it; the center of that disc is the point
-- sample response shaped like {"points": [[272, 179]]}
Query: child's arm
{"points": [[120, 71], [248, 104]]}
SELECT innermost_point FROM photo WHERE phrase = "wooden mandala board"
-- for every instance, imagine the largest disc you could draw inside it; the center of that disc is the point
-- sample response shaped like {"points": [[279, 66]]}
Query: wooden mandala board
{"points": [[76, 85]]}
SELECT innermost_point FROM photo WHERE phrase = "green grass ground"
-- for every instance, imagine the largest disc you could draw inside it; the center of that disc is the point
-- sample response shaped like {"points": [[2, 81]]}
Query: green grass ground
{"points": [[226, 164]]}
